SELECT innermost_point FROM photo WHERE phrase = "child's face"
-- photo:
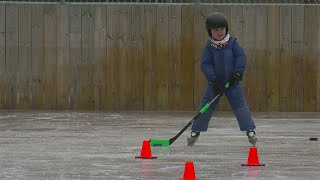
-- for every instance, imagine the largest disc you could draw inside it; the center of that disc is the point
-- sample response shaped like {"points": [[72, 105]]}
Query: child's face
{"points": [[218, 33]]}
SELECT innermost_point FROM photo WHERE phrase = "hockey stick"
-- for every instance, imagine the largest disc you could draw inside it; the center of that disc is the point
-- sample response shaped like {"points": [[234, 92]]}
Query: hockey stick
{"points": [[168, 142]]}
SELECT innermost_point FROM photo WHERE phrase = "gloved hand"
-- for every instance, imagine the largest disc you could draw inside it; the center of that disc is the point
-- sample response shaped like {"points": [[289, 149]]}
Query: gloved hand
{"points": [[236, 77], [217, 86]]}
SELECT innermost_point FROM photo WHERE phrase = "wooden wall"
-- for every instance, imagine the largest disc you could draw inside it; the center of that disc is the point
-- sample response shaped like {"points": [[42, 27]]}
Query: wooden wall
{"points": [[146, 57]]}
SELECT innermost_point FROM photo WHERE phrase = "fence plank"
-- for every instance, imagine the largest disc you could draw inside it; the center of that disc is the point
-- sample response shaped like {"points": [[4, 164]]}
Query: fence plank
{"points": [[37, 56], [100, 57], [200, 39], [249, 43], [86, 99], [74, 54], [174, 101], [285, 64], [113, 18], [12, 51], [297, 58], [236, 22], [273, 59], [310, 60], [125, 56], [25, 61], [317, 56], [50, 56], [149, 46], [63, 67], [162, 78], [261, 58], [137, 72], [2, 54], [187, 55]]}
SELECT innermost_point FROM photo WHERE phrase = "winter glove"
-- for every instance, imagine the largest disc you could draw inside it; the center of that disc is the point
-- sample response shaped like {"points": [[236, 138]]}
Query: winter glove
{"points": [[217, 86], [235, 79]]}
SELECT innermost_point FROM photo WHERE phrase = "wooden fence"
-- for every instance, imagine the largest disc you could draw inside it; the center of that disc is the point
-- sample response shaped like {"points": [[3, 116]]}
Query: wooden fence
{"points": [[146, 57]]}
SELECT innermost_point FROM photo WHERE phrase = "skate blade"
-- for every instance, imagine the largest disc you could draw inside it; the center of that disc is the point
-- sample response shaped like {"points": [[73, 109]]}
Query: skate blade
{"points": [[191, 142]]}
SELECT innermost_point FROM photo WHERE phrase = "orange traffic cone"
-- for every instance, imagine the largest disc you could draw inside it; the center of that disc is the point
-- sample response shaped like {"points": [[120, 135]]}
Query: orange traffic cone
{"points": [[253, 159], [189, 173], [146, 151]]}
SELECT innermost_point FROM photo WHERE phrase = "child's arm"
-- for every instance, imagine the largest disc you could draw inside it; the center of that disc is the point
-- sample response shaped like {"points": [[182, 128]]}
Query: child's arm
{"points": [[207, 65]]}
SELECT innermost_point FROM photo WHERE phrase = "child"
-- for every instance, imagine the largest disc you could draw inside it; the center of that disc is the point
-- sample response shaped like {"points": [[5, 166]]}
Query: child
{"points": [[223, 60]]}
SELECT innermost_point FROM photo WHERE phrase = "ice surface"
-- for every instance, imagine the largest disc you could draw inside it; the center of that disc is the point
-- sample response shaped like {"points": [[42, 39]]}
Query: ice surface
{"points": [[95, 145]]}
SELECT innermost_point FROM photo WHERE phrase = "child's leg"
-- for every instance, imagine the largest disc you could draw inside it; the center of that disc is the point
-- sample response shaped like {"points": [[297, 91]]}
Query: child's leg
{"points": [[242, 112], [240, 108], [201, 124]]}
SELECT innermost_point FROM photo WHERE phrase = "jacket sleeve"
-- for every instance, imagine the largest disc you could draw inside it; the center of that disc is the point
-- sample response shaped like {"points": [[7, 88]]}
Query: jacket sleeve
{"points": [[240, 58], [207, 65]]}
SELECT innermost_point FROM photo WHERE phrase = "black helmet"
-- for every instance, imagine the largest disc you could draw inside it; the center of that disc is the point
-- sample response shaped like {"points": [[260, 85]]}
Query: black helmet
{"points": [[216, 20]]}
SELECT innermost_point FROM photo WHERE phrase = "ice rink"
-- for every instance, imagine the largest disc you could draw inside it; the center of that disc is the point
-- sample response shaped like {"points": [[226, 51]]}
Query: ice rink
{"points": [[95, 145]]}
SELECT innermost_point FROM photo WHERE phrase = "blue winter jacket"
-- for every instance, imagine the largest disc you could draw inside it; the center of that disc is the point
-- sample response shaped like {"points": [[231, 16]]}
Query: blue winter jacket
{"points": [[223, 63]]}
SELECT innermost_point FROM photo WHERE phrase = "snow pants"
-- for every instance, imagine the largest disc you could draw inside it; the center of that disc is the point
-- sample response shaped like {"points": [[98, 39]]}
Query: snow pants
{"points": [[238, 105]]}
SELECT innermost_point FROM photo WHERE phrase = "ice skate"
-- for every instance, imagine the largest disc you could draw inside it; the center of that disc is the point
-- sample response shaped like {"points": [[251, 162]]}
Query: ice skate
{"points": [[252, 137], [193, 138]]}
